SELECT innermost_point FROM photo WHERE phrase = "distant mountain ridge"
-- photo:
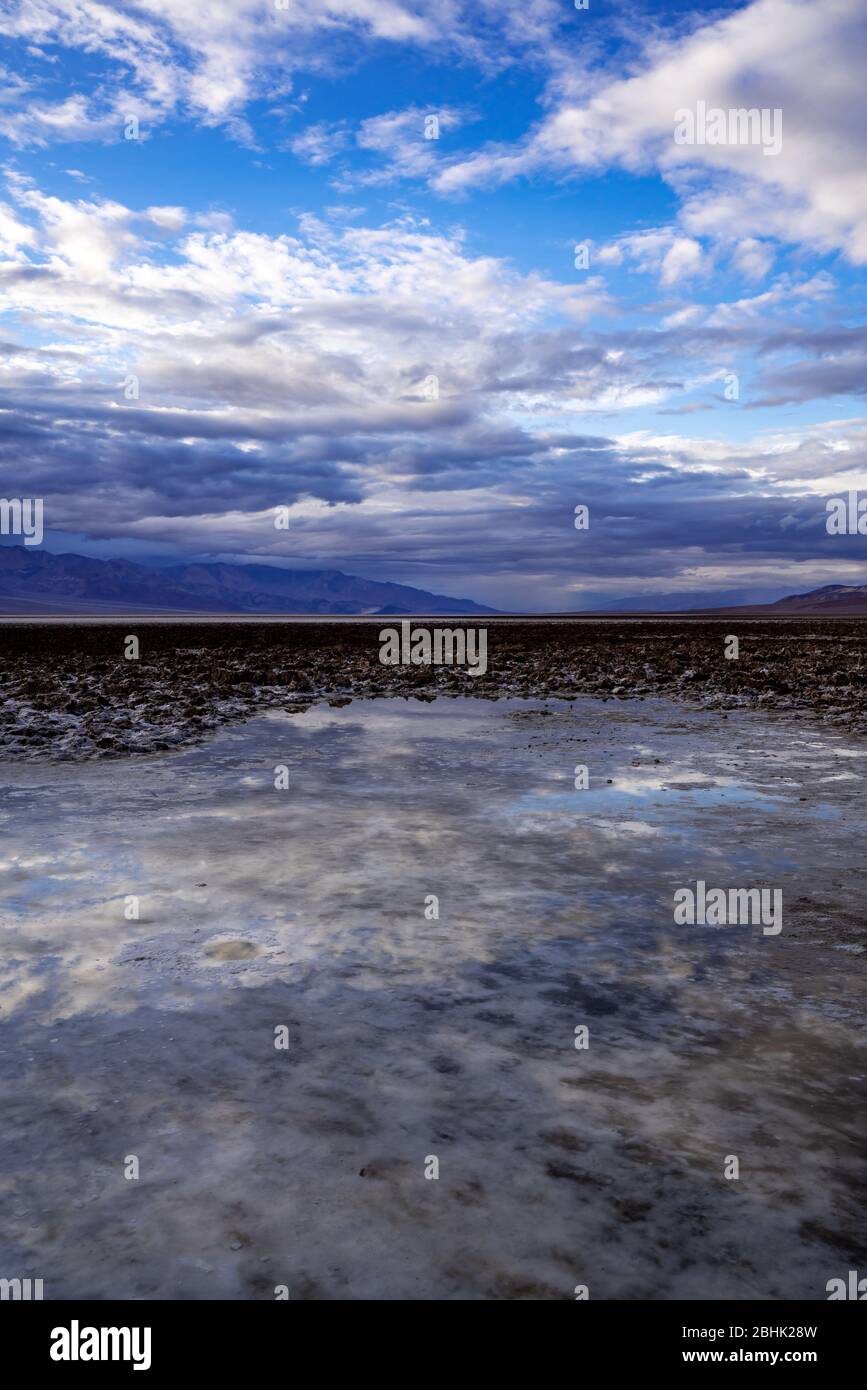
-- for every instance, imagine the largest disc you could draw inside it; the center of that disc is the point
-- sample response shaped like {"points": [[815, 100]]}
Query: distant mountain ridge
{"points": [[848, 600], [35, 581], [842, 600], [678, 602], [831, 598], [696, 598]]}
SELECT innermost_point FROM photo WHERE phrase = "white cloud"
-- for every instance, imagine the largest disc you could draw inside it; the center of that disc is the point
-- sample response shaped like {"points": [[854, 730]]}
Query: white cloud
{"points": [[170, 219], [661, 251], [320, 142], [350, 314], [209, 58], [753, 258], [13, 233], [766, 55], [398, 139]]}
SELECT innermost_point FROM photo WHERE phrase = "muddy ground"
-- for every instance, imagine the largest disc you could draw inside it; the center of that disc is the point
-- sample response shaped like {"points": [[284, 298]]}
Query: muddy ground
{"points": [[66, 691]]}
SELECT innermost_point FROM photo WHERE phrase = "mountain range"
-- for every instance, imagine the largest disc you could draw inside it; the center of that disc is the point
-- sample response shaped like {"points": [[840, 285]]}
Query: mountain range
{"points": [[830, 599], [36, 582]]}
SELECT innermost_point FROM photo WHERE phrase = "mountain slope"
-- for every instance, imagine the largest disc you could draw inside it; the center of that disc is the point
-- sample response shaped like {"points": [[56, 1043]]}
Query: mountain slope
{"points": [[831, 598], [843, 600], [36, 581]]}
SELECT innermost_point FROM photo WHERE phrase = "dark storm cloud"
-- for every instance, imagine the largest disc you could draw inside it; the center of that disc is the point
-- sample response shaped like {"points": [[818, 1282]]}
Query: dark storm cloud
{"points": [[656, 507]]}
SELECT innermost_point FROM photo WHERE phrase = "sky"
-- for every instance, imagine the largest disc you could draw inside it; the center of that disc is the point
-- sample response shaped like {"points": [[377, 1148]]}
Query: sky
{"points": [[431, 275]]}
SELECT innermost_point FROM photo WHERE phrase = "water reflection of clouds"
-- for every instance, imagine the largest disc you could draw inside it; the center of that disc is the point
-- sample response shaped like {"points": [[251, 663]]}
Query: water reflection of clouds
{"points": [[408, 1036], [340, 852]]}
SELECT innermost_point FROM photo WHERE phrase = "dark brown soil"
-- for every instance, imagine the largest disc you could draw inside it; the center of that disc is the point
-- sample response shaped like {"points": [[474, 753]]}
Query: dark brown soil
{"points": [[66, 691]]}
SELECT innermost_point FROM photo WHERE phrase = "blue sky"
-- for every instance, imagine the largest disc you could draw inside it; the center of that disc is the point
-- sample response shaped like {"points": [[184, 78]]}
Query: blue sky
{"points": [[281, 293]]}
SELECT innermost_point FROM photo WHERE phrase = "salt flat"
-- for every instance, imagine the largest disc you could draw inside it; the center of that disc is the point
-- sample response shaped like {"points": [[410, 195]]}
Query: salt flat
{"points": [[412, 1037]]}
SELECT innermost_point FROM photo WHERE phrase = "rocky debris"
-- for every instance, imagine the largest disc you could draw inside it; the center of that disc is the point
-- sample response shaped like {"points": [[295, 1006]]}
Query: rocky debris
{"points": [[68, 692]]}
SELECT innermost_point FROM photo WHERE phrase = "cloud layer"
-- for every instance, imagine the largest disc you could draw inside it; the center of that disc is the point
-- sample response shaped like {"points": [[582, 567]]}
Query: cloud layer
{"points": [[428, 408]]}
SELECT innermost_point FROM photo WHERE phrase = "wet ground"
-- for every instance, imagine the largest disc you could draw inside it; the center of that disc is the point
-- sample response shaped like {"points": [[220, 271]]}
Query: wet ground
{"points": [[410, 1037], [68, 691]]}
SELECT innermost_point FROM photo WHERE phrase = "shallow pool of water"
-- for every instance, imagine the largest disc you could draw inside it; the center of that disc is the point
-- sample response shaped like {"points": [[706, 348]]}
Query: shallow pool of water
{"points": [[304, 915]]}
